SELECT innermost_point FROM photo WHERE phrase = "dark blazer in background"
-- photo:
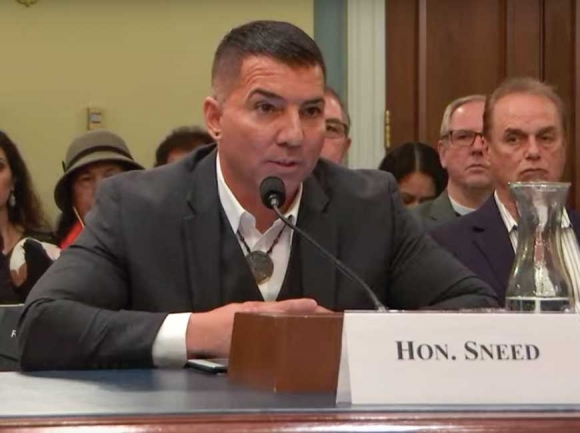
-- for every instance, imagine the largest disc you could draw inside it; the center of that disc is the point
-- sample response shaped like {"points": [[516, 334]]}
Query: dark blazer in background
{"points": [[435, 212], [481, 242], [153, 245]]}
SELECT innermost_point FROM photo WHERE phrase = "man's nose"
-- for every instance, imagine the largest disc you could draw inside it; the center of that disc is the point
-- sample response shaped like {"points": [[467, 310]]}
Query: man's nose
{"points": [[532, 148], [292, 133], [478, 145]]}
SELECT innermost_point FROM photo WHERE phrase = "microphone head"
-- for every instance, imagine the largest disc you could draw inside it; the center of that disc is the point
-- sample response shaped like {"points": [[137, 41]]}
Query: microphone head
{"points": [[272, 192]]}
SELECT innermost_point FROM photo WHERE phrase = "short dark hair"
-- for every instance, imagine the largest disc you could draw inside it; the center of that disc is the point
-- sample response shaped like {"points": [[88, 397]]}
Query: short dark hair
{"points": [[184, 138], [278, 40], [27, 211], [526, 86], [410, 157], [330, 91]]}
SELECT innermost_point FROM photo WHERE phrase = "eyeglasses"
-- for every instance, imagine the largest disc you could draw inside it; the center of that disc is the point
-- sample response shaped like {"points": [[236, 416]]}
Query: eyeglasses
{"points": [[462, 137], [335, 129]]}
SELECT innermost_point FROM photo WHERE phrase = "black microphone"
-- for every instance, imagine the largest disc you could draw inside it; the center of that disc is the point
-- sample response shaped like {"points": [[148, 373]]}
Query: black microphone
{"points": [[273, 194]]}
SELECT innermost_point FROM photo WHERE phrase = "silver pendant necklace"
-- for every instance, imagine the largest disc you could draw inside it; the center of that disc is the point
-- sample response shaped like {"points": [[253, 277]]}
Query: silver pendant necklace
{"points": [[260, 262]]}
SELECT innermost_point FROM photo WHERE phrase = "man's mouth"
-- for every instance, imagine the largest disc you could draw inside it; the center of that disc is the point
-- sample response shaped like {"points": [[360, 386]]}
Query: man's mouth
{"points": [[534, 174], [477, 166], [285, 163]]}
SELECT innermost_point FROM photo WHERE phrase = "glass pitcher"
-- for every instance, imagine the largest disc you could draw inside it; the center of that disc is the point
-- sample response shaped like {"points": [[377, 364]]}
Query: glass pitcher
{"points": [[539, 280]]}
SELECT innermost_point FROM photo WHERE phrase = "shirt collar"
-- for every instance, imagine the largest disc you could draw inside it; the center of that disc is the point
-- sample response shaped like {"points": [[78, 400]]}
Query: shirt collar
{"points": [[459, 208], [511, 223], [235, 212]]}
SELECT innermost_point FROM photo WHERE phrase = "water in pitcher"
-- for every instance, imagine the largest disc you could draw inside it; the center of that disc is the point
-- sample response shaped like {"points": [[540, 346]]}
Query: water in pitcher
{"points": [[538, 304]]}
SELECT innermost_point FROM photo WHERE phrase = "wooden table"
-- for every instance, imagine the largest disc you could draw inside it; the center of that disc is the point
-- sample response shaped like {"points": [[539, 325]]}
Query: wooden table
{"points": [[189, 401]]}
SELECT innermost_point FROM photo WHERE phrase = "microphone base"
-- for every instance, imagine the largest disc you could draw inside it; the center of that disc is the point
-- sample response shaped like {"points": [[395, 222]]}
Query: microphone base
{"points": [[285, 352]]}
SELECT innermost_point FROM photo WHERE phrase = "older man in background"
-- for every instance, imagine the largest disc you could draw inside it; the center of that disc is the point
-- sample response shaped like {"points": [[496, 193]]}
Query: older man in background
{"points": [[461, 153]]}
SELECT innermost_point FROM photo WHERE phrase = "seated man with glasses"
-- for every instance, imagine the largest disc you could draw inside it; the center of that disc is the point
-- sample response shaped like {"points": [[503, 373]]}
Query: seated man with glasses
{"points": [[336, 140], [461, 154]]}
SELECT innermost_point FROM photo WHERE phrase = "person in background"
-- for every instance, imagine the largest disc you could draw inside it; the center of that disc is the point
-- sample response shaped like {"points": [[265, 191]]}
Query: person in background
{"points": [[90, 158], [418, 172], [524, 125], [179, 143], [24, 228], [461, 151], [336, 139]]}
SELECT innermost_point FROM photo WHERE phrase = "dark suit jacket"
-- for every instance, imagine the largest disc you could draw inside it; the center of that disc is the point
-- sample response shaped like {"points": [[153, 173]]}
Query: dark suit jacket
{"points": [[152, 246], [481, 242], [435, 212]]}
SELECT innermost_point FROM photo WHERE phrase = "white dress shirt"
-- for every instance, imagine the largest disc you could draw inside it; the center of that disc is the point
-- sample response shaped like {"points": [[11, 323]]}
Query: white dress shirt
{"points": [[169, 347], [570, 247]]}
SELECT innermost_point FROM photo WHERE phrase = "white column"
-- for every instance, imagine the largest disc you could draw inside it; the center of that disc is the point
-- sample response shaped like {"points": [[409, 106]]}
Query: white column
{"points": [[366, 81]]}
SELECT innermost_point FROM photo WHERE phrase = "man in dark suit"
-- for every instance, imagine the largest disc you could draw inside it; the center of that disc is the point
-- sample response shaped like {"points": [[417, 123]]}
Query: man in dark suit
{"points": [[173, 240], [461, 152], [524, 130]]}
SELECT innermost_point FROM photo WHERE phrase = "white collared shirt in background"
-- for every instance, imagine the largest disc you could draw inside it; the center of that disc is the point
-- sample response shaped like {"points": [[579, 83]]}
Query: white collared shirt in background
{"points": [[570, 247], [169, 347]]}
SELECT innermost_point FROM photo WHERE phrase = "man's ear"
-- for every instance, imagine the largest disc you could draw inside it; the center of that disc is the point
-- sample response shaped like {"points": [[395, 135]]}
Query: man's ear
{"points": [[442, 150], [212, 112], [346, 147]]}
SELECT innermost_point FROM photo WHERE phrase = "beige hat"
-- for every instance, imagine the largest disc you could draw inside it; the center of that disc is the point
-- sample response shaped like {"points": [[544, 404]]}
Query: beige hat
{"points": [[93, 146]]}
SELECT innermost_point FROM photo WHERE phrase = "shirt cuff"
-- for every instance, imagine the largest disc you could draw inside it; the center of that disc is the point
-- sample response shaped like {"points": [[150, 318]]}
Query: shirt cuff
{"points": [[169, 347]]}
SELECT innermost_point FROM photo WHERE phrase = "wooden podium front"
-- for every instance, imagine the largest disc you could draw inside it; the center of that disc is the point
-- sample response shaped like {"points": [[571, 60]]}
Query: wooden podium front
{"points": [[283, 352]]}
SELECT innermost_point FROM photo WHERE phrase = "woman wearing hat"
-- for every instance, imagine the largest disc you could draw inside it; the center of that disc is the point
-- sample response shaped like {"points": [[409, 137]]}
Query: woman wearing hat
{"points": [[22, 223], [90, 158]]}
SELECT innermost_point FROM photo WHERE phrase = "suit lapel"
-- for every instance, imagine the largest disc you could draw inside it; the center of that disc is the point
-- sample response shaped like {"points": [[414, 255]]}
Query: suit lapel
{"points": [[318, 273], [202, 236], [441, 210], [491, 237]]}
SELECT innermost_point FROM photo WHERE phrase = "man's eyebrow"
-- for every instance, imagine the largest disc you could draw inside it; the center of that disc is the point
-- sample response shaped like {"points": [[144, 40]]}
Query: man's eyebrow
{"points": [[314, 101], [272, 95], [543, 130], [547, 129], [266, 93], [515, 131]]}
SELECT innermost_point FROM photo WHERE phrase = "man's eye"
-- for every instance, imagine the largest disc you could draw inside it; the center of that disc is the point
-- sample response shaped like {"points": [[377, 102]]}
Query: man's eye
{"points": [[312, 111], [265, 107], [110, 173], [547, 138], [332, 128]]}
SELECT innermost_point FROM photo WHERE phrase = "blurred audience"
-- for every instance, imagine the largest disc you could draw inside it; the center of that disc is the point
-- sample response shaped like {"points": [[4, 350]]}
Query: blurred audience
{"points": [[418, 172], [461, 151], [524, 125], [336, 140], [179, 143], [24, 228], [90, 158]]}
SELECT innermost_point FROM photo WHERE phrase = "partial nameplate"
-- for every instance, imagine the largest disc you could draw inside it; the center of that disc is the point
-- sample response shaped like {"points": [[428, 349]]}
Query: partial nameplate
{"points": [[459, 358]]}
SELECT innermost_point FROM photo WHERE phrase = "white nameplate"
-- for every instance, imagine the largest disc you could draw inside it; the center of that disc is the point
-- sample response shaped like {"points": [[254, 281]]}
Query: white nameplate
{"points": [[459, 358]]}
